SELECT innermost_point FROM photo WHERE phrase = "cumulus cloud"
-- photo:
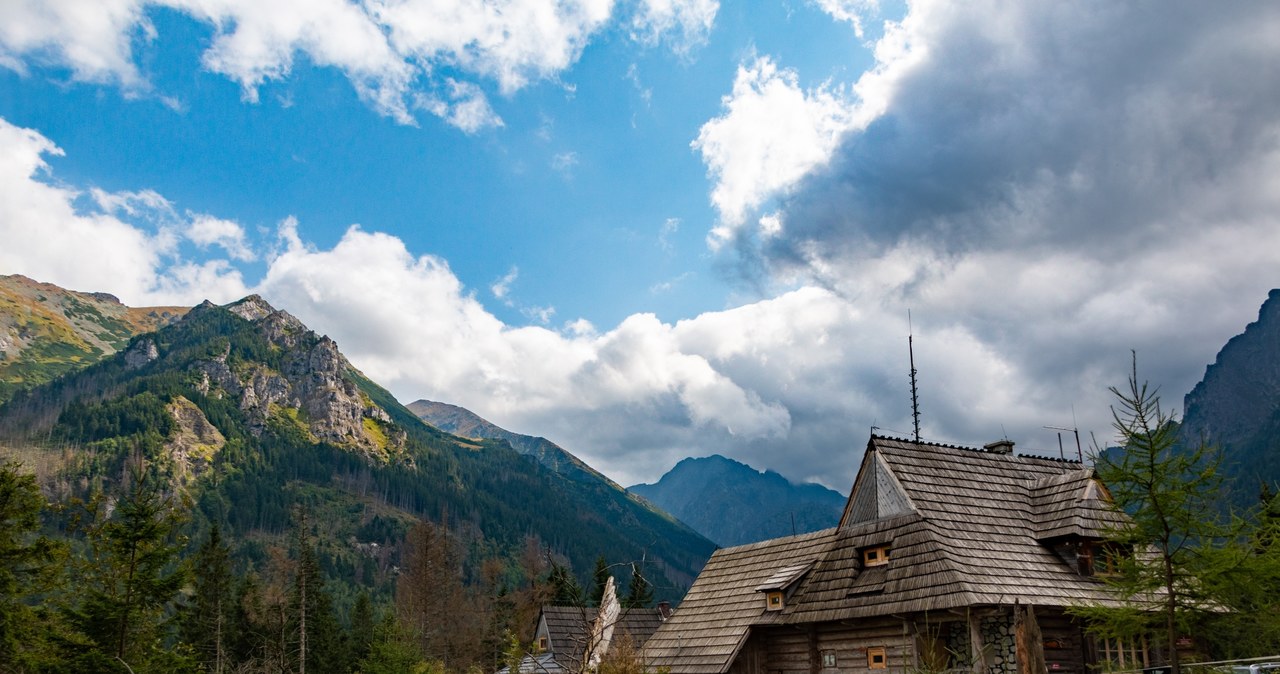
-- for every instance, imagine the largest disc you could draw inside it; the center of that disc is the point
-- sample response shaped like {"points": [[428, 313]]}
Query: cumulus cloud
{"points": [[771, 134], [91, 37], [48, 237], [1046, 186], [206, 230], [390, 50]]}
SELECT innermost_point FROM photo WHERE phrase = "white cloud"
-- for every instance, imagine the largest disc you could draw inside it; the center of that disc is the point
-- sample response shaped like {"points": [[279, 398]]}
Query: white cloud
{"points": [[669, 228], [772, 133], [564, 162], [852, 11], [684, 24], [502, 286], [390, 50], [511, 42], [91, 37], [48, 238], [464, 106], [206, 230]]}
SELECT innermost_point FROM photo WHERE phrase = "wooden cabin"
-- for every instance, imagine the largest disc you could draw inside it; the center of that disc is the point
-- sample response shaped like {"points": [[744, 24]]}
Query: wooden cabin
{"points": [[936, 547], [563, 633]]}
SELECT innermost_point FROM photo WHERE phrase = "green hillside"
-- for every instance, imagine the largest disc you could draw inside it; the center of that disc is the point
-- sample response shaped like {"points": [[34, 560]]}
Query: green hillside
{"points": [[46, 331], [251, 414]]}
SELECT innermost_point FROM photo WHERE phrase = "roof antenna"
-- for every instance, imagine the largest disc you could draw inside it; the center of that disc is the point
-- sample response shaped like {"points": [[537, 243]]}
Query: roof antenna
{"points": [[915, 398]]}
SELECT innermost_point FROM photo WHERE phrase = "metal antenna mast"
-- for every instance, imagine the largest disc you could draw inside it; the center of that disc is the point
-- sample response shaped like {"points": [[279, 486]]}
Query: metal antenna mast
{"points": [[915, 397]]}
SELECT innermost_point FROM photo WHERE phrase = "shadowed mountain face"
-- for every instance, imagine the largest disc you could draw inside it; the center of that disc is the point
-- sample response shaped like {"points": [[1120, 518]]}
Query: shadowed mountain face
{"points": [[1237, 405], [46, 331], [251, 414], [732, 503]]}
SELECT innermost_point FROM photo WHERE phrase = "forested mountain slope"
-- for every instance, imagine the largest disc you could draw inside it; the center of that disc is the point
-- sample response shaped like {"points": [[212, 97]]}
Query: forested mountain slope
{"points": [[252, 414]]}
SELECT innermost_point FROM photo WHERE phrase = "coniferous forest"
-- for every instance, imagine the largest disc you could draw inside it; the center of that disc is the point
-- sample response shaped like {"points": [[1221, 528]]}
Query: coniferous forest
{"points": [[138, 540]]}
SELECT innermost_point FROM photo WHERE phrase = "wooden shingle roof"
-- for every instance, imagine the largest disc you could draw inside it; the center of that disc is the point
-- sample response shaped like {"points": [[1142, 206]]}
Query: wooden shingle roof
{"points": [[569, 629], [713, 620], [964, 527]]}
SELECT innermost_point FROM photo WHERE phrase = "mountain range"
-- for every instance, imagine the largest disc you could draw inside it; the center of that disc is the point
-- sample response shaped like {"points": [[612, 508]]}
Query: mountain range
{"points": [[251, 414], [733, 504]]}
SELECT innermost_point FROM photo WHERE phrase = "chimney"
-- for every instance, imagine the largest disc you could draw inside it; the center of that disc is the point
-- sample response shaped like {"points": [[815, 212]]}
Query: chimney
{"points": [[664, 609], [999, 446]]}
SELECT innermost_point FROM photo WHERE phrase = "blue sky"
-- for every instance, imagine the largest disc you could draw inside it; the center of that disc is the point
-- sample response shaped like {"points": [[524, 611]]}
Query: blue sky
{"points": [[668, 228]]}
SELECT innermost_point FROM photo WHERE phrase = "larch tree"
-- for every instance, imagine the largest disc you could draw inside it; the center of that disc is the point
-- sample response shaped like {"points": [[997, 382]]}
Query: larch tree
{"points": [[1169, 554]]}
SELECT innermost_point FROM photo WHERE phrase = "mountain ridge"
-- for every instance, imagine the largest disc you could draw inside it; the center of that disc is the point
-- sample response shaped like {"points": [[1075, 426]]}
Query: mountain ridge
{"points": [[249, 395], [732, 503], [1237, 405], [46, 330]]}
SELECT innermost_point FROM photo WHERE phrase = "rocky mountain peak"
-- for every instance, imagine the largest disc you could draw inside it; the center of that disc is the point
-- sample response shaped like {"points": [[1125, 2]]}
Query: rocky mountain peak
{"points": [[308, 387], [1241, 389], [251, 308]]}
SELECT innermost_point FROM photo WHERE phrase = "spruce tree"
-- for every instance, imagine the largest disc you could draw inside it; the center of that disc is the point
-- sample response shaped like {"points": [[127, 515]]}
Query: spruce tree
{"points": [[131, 575], [565, 590], [319, 644], [640, 592], [210, 616], [600, 577], [27, 560]]}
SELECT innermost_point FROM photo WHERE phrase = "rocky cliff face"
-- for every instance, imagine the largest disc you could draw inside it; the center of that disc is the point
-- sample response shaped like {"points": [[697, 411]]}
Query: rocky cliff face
{"points": [[1240, 392], [311, 387], [1237, 406]]}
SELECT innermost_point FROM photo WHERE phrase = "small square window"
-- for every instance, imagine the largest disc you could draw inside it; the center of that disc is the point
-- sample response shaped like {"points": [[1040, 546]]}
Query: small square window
{"points": [[542, 643], [876, 658], [828, 658], [773, 601], [875, 556]]}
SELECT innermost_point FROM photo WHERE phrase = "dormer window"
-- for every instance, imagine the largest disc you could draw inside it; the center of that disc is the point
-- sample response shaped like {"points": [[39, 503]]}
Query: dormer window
{"points": [[781, 584], [875, 556], [1101, 559]]}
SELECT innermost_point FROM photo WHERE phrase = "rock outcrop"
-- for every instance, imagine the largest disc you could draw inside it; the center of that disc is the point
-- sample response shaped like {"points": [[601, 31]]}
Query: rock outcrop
{"points": [[311, 387]]}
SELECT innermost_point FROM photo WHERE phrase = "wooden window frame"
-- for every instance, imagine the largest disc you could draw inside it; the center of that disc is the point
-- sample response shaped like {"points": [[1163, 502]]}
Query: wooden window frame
{"points": [[1124, 654], [877, 652], [774, 600], [876, 555]]}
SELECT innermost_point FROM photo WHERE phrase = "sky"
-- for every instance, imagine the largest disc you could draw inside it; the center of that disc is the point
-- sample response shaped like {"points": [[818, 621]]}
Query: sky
{"points": [[652, 229]]}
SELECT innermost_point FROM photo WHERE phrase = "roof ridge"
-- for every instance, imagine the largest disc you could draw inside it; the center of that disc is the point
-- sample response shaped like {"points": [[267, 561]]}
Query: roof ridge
{"points": [[976, 450]]}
